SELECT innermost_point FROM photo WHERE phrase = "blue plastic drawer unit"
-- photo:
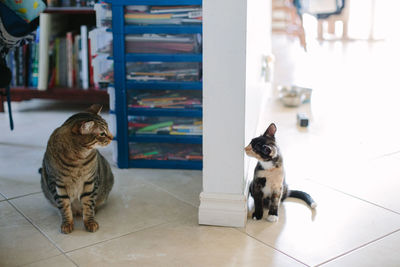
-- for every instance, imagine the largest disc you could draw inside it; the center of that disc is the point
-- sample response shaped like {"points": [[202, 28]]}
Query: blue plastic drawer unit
{"points": [[157, 54]]}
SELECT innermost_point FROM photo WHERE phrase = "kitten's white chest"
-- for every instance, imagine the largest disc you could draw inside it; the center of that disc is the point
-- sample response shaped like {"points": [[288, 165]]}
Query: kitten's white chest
{"points": [[267, 190], [274, 177], [266, 165]]}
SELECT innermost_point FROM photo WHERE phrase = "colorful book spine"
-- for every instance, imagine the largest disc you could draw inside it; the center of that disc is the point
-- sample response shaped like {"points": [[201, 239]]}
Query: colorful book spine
{"points": [[44, 51], [70, 59], [84, 57]]}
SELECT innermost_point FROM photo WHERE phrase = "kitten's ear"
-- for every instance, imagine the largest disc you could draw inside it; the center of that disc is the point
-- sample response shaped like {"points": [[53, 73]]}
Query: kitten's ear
{"points": [[95, 109], [85, 127], [271, 130]]}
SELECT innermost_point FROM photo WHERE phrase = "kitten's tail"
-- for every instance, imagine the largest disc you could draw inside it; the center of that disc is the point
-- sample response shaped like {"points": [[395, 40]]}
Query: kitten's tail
{"points": [[303, 196]]}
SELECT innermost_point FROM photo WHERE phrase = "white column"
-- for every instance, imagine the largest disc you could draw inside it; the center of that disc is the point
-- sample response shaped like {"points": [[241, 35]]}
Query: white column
{"points": [[223, 200]]}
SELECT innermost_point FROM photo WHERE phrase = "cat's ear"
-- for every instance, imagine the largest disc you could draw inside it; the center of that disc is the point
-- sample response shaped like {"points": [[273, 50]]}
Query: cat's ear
{"points": [[85, 127], [95, 109], [271, 130]]}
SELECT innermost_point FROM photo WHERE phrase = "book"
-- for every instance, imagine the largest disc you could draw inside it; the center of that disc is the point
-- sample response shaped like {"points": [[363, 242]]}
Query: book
{"points": [[62, 67], [84, 57], [77, 61], [35, 61], [90, 56], [70, 59], [20, 66], [44, 51]]}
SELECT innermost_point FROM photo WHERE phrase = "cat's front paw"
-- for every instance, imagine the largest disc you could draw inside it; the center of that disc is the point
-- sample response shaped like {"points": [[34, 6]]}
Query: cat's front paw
{"points": [[272, 218], [91, 226], [257, 215], [67, 227]]}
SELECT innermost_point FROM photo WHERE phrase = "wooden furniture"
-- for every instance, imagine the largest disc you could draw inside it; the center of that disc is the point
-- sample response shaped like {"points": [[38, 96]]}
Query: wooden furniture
{"points": [[343, 17], [67, 94], [286, 20]]}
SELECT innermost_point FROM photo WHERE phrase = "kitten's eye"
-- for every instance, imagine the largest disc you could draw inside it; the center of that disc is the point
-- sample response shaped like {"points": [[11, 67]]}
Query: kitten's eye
{"points": [[103, 134], [266, 149]]}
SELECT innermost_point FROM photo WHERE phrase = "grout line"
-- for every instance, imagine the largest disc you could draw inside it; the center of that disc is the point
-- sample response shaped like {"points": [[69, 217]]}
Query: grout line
{"points": [[29, 194], [116, 237], [170, 193], [126, 234], [21, 145], [37, 261], [37, 228], [358, 248], [280, 251], [353, 196], [386, 155]]}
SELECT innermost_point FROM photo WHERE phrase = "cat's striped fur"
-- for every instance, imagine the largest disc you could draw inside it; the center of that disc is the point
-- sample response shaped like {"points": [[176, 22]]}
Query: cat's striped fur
{"points": [[75, 177]]}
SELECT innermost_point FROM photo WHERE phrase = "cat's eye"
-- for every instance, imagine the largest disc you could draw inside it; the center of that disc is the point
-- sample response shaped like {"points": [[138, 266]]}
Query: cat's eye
{"points": [[266, 149], [103, 134]]}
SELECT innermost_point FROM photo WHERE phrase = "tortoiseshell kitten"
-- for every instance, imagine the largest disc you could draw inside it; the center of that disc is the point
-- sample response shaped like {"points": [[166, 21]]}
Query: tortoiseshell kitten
{"points": [[75, 177], [269, 187]]}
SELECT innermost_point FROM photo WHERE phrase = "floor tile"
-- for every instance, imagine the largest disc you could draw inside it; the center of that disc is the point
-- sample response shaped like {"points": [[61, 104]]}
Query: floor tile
{"points": [[59, 261], [132, 206], [183, 184], [182, 243], [20, 242], [384, 252], [373, 180], [14, 179], [30, 129], [339, 223]]}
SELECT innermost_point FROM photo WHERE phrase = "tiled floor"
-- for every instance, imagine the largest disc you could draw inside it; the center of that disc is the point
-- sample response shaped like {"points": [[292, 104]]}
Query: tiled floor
{"points": [[347, 159]]}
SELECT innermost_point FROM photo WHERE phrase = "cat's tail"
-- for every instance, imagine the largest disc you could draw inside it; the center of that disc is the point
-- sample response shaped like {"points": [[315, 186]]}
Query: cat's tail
{"points": [[303, 196]]}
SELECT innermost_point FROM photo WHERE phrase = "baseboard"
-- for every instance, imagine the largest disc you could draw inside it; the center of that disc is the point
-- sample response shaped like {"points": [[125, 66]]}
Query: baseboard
{"points": [[223, 209]]}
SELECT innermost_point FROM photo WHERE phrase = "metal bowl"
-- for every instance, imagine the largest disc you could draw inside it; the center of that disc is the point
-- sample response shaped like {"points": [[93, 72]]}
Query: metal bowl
{"points": [[292, 99], [294, 96]]}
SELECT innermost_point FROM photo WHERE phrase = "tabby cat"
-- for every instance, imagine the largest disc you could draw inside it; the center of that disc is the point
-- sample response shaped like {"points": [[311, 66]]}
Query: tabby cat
{"points": [[269, 187], [75, 177]]}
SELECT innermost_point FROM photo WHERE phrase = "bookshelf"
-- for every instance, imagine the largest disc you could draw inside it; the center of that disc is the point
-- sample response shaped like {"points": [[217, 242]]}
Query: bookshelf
{"points": [[90, 96], [135, 149]]}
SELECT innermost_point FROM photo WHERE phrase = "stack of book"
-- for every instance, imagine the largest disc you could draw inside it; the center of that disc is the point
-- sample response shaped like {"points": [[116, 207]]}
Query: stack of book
{"points": [[24, 65]]}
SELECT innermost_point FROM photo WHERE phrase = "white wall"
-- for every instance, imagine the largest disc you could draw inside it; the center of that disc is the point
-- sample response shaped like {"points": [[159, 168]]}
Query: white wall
{"points": [[232, 91], [257, 89]]}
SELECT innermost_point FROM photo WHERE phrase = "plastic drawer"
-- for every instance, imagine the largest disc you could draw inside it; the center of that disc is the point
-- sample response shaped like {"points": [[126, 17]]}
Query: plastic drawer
{"points": [[164, 152], [163, 71]]}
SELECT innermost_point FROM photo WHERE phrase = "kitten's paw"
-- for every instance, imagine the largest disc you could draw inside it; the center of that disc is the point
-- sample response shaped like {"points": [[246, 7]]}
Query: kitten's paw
{"points": [[67, 227], [272, 218], [91, 226], [257, 216]]}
